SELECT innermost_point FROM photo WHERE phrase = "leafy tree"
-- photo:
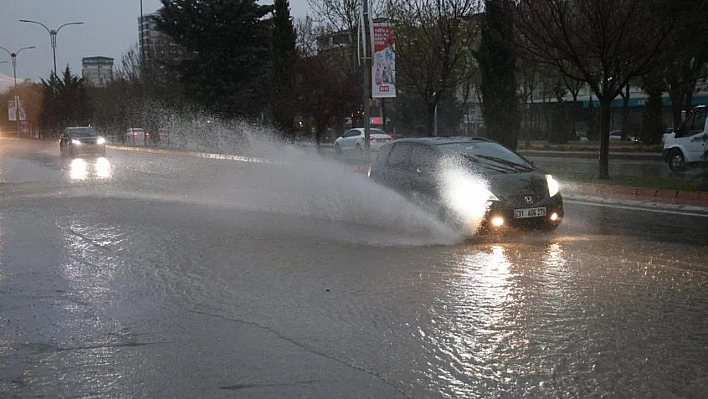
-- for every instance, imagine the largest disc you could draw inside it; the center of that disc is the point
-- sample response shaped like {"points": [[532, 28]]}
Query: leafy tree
{"points": [[227, 45], [497, 60], [65, 102], [283, 58]]}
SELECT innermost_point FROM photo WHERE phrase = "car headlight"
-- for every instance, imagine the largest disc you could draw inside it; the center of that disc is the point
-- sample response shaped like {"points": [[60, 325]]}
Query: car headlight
{"points": [[552, 186], [74, 141], [101, 140]]}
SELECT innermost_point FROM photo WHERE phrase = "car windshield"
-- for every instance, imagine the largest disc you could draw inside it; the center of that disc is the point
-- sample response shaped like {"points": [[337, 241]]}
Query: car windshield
{"points": [[82, 132], [486, 151]]}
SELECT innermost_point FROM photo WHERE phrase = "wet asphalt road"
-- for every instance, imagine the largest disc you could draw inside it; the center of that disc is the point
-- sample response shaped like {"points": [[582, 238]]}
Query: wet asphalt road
{"points": [[162, 276]]}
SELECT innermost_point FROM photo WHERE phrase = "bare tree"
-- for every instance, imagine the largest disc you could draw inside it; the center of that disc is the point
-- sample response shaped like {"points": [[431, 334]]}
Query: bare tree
{"points": [[340, 19], [129, 68], [307, 33], [686, 61], [603, 43], [322, 90], [435, 42]]}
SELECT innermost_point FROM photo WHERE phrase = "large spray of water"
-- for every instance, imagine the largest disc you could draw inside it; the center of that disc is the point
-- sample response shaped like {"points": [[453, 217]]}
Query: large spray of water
{"points": [[290, 179]]}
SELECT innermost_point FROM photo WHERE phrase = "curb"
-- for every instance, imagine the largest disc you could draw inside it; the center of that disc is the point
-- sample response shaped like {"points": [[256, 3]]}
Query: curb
{"points": [[638, 203], [699, 198], [637, 156]]}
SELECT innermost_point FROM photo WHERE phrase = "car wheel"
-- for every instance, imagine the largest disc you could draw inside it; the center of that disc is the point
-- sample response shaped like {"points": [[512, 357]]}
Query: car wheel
{"points": [[677, 162], [337, 149]]}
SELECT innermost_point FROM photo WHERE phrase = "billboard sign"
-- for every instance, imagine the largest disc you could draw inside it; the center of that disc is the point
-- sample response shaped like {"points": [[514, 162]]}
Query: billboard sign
{"points": [[12, 110], [383, 69]]}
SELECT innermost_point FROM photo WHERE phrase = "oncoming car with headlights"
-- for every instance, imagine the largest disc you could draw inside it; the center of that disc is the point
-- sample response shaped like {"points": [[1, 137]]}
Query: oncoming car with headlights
{"points": [[81, 140], [473, 182]]}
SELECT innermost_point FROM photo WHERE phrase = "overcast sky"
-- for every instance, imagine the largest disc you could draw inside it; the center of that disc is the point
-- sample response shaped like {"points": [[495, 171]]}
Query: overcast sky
{"points": [[110, 28]]}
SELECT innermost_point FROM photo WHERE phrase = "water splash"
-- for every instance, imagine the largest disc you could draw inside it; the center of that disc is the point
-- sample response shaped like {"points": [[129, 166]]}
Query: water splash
{"points": [[278, 177]]}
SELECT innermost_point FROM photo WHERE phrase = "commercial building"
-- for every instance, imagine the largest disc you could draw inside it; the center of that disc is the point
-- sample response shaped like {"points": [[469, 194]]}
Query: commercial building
{"points": [[97, 71], [155, 45]]}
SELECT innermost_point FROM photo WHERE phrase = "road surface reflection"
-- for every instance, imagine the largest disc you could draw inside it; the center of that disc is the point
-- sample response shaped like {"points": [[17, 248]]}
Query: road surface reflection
{"points": [[82, 169]]}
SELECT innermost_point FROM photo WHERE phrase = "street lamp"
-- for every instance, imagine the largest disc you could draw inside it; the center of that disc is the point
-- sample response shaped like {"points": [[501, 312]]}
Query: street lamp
{"points": [[53, 36], [13, 55]]}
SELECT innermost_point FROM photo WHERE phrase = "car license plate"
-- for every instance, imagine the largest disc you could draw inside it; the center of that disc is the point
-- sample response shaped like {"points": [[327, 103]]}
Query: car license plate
{"points": [[529, 213], [380, 140]]}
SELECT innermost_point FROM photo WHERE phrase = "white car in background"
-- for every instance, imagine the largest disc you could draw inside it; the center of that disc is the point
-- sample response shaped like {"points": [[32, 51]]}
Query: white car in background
{"points": [[689, 144], [353, 141], [136, 136]]}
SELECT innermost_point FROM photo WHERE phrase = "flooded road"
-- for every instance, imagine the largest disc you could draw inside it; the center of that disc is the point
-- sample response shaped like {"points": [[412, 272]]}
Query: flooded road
{"points": [[151, 275]]}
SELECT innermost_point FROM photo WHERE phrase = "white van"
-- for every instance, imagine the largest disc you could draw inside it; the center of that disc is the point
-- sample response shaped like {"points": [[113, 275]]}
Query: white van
{"points": [[688, 144]]}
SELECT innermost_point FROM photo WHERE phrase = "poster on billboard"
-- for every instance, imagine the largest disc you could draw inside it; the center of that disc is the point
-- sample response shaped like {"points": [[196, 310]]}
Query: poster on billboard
{"points": [[383, 69], [11, 110]]}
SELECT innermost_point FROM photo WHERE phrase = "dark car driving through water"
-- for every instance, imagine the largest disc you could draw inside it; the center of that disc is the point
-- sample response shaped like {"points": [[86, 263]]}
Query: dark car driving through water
{"points": [[81, 140], [471, 182]]}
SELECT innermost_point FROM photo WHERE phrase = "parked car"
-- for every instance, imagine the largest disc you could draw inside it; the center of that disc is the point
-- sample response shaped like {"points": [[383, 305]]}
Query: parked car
{"points": [[453, 175], [688, 145], [81, 140], [136, 136], [353, 140], [161, 137], [581, 136], [616, 135]]}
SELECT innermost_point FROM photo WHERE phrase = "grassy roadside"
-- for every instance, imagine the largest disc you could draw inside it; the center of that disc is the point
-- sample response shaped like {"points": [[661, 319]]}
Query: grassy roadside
{"points": [[693, 185], [589, 146]]}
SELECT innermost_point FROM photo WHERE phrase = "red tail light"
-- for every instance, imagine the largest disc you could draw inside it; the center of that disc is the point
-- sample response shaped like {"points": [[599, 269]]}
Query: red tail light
{"points": [[135, 133], [389, 138], [372, 138], [147, 133]]}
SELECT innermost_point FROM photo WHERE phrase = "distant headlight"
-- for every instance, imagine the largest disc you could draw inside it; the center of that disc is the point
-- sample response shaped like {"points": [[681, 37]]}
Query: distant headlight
{"points": [[101, 140], [552, 185], [74, 141]]}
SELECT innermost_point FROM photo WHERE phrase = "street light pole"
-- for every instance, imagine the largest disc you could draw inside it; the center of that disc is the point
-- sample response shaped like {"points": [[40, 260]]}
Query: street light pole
{"points": [[366, 75], [52, 36], [13, 56]]}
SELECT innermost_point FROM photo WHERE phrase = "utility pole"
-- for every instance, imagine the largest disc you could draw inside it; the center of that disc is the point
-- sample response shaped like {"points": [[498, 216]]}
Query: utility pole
{"points": [[367, 77]]}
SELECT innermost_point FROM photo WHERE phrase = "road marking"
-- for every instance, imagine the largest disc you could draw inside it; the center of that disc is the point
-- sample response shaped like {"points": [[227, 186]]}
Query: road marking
{"points": [[635, 208]]}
